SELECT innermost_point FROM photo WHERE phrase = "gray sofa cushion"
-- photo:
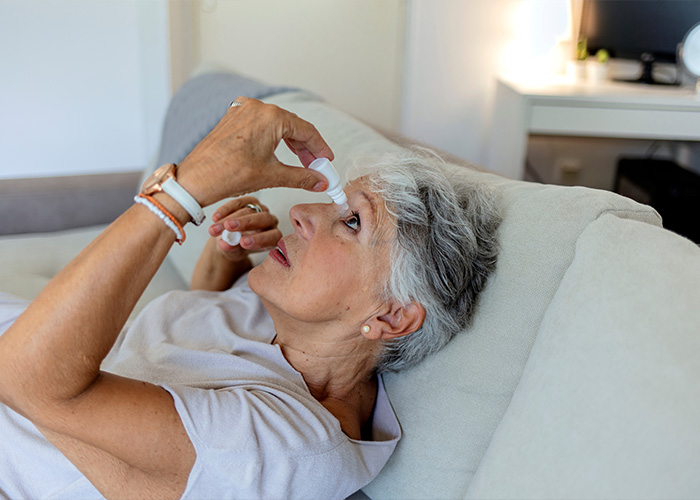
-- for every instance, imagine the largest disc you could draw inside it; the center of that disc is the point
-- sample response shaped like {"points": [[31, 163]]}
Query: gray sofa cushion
{"points": [[199, 105]]}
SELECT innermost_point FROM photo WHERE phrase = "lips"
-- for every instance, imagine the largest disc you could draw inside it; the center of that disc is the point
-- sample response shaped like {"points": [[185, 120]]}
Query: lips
{"points": [[280, 254]]}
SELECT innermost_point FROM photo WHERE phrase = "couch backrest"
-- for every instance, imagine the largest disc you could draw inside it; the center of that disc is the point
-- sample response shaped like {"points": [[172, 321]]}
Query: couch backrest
{"points": [[609, 402]]}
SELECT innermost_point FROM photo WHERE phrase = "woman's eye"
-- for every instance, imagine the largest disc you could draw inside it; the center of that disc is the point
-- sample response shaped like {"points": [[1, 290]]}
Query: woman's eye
{"points": [[353, 222]]}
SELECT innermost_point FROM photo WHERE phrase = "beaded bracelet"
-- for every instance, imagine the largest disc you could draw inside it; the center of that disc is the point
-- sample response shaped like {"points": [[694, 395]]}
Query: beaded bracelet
{"points": [[163, 214]]}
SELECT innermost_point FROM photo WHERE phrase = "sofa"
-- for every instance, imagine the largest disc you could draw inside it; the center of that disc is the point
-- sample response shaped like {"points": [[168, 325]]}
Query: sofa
{"points": [[580, 374]]}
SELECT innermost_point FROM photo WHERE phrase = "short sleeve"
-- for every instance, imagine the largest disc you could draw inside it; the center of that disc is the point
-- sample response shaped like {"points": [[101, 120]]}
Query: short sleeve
{"points": [[256, 442]]}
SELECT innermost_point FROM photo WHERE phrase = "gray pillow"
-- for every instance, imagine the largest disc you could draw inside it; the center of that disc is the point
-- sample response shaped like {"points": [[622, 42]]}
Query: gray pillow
{"points": [[197, 107]]}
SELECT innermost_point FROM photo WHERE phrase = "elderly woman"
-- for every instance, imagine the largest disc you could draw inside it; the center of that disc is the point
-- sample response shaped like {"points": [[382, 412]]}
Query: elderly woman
{"points": [[265, 389]]}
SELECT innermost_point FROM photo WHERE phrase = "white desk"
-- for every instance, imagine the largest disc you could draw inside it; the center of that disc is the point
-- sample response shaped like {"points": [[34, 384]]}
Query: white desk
{"points": [[607, 109]]}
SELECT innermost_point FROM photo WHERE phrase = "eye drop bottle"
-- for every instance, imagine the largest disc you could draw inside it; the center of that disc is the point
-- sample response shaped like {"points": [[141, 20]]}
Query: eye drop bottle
{"points": [[335, 189]]}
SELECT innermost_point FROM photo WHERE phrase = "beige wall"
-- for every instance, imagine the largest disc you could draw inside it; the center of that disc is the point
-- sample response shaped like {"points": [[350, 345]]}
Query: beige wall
{"points": [[183, 40], [348, 51], [353, 52], [456, 49]]}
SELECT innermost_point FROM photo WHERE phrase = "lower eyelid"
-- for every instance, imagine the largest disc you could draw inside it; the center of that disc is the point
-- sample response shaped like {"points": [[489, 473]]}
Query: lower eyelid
{"points": [[349, 227]]}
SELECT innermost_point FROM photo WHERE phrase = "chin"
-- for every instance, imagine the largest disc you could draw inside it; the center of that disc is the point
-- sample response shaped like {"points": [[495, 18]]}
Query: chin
{"points": [[261, 280]]}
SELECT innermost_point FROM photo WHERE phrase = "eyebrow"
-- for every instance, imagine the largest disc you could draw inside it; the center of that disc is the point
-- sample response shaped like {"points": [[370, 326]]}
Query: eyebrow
{"points": [[373, 206], [376, 231]]}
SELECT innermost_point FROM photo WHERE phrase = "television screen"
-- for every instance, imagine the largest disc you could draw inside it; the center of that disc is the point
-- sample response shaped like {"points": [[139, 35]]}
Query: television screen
{"points": [[648, 30]]}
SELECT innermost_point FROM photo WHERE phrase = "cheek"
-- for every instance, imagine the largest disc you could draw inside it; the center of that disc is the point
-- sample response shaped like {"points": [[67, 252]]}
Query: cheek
{"points": [[330, 282], [316, 275], [334, 267]]}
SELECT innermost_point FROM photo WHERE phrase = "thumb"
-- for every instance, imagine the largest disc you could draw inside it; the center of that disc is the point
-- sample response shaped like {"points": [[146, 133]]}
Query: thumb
{"points": [[301, 177]]}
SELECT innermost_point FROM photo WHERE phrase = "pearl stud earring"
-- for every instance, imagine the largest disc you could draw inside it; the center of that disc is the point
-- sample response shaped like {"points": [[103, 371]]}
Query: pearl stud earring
{"points": [[366, 328]]}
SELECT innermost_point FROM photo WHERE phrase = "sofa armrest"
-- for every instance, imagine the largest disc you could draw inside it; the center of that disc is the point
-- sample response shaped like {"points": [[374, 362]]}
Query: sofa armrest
{"points": [[57, 203]]}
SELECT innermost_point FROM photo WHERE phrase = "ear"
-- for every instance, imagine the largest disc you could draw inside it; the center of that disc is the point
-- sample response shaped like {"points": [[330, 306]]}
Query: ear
{"points": [[396, 321]]}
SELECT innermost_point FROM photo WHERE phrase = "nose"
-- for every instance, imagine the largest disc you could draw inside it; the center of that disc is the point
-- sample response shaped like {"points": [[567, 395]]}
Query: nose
{"points": [[306, 218]]}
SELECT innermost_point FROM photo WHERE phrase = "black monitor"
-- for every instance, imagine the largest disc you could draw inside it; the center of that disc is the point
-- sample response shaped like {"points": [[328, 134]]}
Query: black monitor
{"points": [[647, 30]]}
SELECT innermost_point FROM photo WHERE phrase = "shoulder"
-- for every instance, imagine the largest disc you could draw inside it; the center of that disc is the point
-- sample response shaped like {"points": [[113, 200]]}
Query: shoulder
{"points": [[267, 418], [271, 439], [263, 441]]}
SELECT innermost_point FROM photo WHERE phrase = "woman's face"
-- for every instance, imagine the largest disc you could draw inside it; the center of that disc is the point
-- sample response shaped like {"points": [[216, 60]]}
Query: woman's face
{"points": [[332, 267]]}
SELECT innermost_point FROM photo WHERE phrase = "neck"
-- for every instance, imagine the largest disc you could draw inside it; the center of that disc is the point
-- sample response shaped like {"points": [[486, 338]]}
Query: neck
{"points": [[337, 366], [333, 366], [341, 379]]}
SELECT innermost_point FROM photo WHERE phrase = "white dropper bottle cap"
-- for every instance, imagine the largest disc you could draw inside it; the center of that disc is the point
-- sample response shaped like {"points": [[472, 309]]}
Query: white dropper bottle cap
{"points": [[335, 189], [233, 238]]}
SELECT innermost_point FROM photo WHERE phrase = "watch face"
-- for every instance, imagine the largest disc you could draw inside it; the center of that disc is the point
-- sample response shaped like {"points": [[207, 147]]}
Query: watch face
{"points": [[153, 183]]}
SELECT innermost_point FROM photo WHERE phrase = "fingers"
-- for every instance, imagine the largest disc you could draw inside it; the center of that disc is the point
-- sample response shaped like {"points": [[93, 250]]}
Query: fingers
{"points": [[234, 205], [295, 177], [298, 148], [259, 229], [237, 103], [304, 140], [300, 136], [244, 222], [250, 222], [238, 155], [254, 242], [264, 240]]}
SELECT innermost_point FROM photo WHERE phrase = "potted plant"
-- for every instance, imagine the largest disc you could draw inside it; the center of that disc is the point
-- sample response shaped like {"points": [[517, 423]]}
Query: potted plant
{"points": [[597, 67], [576, 69]]}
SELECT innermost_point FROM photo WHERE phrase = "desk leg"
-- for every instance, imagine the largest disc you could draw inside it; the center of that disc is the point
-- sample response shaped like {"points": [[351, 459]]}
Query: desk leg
{"points": [[508, 134]]}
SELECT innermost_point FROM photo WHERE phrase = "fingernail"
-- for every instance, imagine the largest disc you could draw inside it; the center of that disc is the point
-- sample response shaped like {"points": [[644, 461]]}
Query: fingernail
{"points": [[319, 186], [247, 240], [215, 229], [215, 216], [232, 225]]}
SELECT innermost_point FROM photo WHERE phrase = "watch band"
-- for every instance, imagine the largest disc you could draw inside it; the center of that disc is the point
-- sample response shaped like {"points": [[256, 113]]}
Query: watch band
{"points": [[178, 193]]}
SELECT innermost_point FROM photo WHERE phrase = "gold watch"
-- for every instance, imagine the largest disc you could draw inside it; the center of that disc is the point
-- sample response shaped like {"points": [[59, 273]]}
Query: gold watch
{"points": [[164, 179]]}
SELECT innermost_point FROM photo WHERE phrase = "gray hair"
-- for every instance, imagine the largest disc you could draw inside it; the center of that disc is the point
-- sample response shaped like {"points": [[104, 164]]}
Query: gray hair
{"points": [[444, 250]]}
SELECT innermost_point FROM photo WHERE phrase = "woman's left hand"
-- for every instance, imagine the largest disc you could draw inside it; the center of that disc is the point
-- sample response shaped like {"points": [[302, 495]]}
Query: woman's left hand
{"points": [[259, 229], [238, 156]]}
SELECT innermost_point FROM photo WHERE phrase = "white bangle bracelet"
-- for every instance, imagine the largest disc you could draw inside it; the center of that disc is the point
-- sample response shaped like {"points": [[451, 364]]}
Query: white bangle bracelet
{"points": [[161, 216], [186, 201]]}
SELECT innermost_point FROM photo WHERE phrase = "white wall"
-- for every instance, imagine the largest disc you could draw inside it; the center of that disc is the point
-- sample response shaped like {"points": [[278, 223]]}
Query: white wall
{"points": [[455, 50], [348, 51], [84, 85]]}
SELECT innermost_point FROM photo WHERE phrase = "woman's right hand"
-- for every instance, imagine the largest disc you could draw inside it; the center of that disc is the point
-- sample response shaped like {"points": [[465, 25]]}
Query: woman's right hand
{"points": [[238, 156], [221, 264], [259, 229]]}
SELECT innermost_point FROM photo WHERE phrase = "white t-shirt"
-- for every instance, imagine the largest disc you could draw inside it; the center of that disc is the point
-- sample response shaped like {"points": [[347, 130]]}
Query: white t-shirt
{"points": [[257, 430]]}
